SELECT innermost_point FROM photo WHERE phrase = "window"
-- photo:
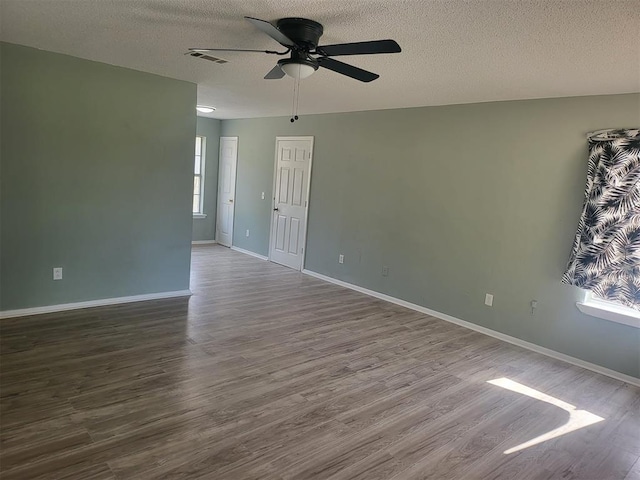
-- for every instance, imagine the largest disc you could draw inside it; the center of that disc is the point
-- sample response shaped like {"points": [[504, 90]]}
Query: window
{"points": [[604, 257], [198, 179], [602, 308]]}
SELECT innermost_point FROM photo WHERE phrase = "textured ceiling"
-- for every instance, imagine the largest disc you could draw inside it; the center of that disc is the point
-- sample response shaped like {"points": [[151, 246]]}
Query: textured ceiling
{"points": [[453, 51]]}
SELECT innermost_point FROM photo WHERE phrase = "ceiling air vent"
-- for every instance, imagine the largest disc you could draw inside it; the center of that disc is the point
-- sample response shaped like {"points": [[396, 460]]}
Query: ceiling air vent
{"points": [[204, 56]]}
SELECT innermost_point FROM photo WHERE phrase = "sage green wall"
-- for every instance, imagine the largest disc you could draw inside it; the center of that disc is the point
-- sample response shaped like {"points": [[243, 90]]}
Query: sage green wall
{"points": [[97, 178], [205, 228], [458, 201], [254, 175]]}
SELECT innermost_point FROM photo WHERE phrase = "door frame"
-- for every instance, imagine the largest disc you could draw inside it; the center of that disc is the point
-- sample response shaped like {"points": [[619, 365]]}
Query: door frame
{"points": [[235, 185], [310, 138]]}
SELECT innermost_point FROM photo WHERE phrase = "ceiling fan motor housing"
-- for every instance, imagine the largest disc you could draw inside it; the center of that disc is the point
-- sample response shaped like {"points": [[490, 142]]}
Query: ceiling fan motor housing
{"points": [[305, 33]]}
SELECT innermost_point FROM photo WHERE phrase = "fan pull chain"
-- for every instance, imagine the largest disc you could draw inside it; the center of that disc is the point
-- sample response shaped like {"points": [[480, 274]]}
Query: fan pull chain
{"points": [[293, 102], [295, 114], [296, 99]]}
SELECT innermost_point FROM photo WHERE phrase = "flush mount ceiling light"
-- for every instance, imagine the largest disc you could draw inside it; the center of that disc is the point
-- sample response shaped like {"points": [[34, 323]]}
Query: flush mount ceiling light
{"points": [[204, 109]]}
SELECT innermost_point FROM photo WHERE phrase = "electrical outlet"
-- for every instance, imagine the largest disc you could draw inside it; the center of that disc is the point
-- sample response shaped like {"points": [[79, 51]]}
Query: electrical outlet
{"points": [[262, 196], [488, 300], [247, 232], [385, 271], [57, 273], [341, 258]]}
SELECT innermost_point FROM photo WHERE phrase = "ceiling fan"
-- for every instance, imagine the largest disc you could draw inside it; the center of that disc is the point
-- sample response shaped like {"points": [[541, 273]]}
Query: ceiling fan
{"points": [[300, 37]]}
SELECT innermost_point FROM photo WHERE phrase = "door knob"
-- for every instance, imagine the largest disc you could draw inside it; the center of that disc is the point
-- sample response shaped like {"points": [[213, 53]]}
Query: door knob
{"points": [[231, 200], [276, 209]]}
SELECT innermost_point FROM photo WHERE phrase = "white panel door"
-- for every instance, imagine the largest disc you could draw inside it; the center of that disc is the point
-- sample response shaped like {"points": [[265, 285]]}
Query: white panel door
{"points": [[291, 189], [226, 189]]}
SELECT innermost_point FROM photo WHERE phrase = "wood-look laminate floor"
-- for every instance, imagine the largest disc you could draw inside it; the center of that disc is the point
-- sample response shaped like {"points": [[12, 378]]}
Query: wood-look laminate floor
{"points": [[266, 373]]}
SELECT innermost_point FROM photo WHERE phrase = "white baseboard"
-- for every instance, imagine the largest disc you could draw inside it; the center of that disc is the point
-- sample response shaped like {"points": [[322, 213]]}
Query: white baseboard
{"points": [[203, 242], [247, 252], [486, 331], [92, 303]]}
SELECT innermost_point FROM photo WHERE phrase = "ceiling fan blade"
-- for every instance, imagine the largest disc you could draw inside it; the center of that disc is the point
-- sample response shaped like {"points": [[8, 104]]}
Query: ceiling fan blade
{"points": [[275, 73], [205, 50], [271, 30], [348, 70], [360, 48]]}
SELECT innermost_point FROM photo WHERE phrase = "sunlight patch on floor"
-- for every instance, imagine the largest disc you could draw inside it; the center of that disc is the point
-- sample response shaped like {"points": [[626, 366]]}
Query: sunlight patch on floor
{"points": [[577, 418]]}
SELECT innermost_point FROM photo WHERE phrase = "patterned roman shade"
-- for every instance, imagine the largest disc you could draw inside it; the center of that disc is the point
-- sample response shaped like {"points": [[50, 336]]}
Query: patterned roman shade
{"points": [[605, 258]]}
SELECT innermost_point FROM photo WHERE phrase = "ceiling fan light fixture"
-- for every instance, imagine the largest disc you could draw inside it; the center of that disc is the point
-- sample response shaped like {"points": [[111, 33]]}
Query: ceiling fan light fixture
{"points": [[300, 37], [298, 69], [204, 109]]}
